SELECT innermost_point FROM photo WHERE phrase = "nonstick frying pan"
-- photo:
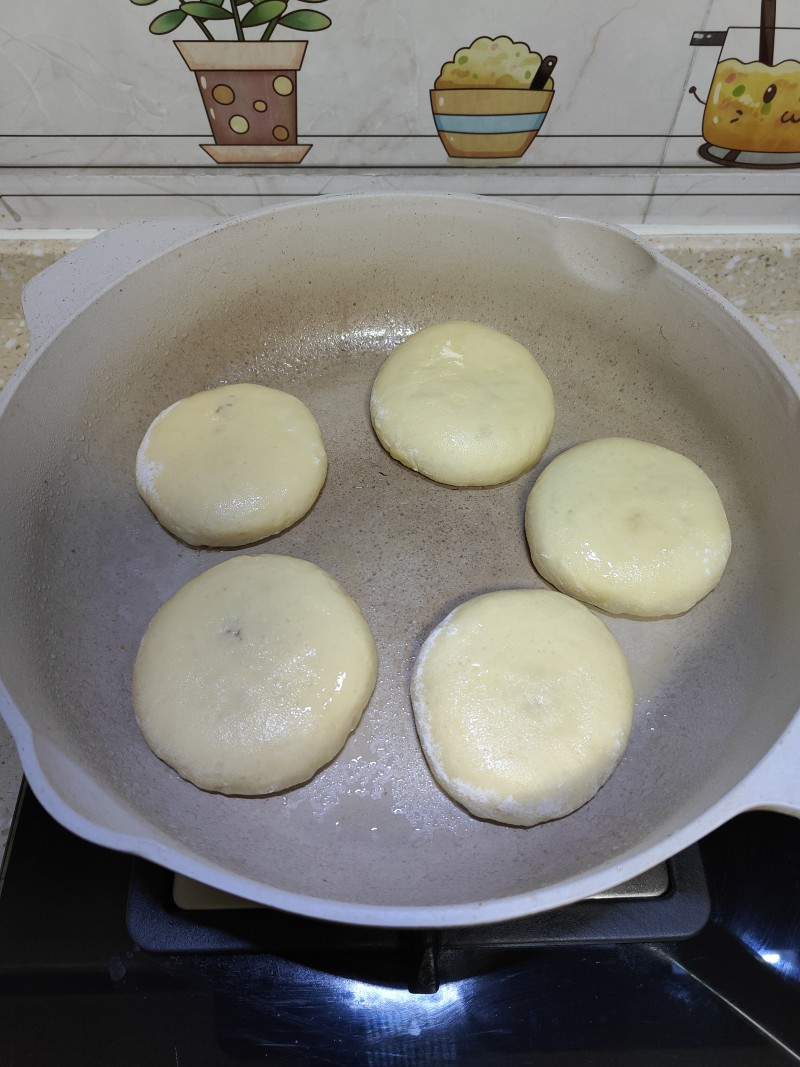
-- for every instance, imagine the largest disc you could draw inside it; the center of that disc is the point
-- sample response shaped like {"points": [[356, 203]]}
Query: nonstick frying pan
{"points": [[311, 297]]}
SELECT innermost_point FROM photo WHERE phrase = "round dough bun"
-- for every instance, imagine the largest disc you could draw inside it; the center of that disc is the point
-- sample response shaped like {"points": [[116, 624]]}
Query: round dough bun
{"points": [[252, 676], [463, 404], [630, 527], [523, 703], [231, 465]]}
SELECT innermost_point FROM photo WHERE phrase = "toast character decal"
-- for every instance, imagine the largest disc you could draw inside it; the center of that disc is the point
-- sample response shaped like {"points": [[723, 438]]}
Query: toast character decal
{"points": [[752, 114]]}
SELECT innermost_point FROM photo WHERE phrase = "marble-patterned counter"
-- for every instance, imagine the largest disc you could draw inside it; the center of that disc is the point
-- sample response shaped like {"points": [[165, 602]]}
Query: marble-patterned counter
{"points": [[759, 273]]}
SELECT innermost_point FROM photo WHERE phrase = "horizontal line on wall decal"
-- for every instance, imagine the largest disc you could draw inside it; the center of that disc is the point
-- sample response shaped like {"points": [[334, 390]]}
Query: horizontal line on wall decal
{"points": [[335, 136], [306, 196], [645, 168]]}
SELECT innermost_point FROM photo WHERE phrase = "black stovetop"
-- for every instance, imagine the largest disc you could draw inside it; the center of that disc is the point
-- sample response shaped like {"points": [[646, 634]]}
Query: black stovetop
{"points": [[711, 978]]}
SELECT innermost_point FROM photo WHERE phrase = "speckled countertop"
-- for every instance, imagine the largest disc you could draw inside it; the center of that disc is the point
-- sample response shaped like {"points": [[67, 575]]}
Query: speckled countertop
{"points": [[759, 273]]}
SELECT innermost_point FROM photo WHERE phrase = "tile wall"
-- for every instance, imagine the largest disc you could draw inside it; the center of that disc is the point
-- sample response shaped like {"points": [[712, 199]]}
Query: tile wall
{"points": [[102, 121]]}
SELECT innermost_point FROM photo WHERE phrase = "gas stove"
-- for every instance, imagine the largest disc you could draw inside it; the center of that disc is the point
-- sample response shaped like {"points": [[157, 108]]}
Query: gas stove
{"points": [[105, 958]]}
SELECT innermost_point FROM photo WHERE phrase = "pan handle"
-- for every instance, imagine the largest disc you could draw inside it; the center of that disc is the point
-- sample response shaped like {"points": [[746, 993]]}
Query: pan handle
{"points": [[57, 294], [774, 783]]}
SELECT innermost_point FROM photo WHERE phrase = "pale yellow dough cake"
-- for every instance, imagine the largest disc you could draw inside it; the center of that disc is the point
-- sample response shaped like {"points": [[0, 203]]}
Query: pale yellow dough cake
{"points": [[232, 465], [463, 404], [252, 676], [523, 704], [631, 527]]}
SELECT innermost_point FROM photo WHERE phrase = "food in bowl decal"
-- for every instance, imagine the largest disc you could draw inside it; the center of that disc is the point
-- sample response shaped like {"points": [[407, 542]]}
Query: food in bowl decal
{"points": [[491, 99]]}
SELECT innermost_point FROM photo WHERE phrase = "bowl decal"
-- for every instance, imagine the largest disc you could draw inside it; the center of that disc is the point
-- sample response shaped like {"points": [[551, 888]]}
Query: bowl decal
{"points": [[489, 123]]}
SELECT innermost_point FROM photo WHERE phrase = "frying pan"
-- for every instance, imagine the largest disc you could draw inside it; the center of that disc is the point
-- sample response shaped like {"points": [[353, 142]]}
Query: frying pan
{"points": [[311, 297]]}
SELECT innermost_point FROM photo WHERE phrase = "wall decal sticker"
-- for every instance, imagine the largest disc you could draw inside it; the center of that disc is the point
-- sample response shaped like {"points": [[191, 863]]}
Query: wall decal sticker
{"points": [[248, 86], [751, 116], [491, 99]]}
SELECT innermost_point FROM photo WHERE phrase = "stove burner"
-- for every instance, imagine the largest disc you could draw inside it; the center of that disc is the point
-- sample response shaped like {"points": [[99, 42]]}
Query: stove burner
{"points": [[76, 989], [671, 901]]}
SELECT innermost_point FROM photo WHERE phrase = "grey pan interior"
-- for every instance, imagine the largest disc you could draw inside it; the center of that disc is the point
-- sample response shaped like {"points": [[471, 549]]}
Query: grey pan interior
{"points": [[311, 297]]}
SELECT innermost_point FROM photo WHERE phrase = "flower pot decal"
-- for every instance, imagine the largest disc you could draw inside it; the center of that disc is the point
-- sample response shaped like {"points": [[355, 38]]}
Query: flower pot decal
{"points": [[491, 100], [249, 91], [248, 87]]}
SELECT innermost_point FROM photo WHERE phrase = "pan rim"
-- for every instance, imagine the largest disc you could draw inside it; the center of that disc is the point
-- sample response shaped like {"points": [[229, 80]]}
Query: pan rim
{"points": [[441, 916], [781, 364], [597, 879]]}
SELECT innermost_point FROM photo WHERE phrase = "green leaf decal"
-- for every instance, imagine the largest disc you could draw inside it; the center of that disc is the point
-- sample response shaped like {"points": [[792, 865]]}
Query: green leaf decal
{"points": [[306, 20], [205, 11], [167, 22], [263, 12], [144, 3]]}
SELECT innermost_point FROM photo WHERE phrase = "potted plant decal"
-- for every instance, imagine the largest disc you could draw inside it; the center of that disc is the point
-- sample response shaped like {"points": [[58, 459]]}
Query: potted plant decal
{"points": [[248, 86]]}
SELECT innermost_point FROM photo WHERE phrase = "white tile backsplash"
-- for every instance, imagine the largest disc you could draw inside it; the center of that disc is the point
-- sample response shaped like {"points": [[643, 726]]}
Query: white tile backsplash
{"points": [[101, 121]]}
